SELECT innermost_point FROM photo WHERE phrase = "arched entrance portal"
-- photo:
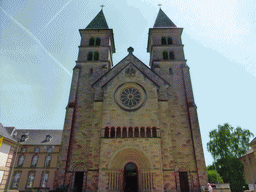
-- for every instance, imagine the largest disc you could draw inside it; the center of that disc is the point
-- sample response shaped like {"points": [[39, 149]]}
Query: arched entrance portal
{"points": [[130, 177]]}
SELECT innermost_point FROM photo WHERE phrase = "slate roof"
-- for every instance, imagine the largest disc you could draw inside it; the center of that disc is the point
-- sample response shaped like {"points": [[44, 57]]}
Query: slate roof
{"points": [[99, 22], [5, 133], [38, 136], [163, 21]]}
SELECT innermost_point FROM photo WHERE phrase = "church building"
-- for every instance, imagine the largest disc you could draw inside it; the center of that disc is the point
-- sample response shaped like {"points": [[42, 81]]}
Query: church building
{"points": [[131, 126]]}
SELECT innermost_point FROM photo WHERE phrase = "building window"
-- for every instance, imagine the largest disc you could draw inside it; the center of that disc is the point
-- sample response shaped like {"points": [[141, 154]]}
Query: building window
{"points": [[30, 181], [96, 56], [34, 161], [48, 138], [124, 132], [112, 132], [16, 180], [136, 132], [97, 41], [142, 132], [154, 132], [44, 179], [93, 56], [171, 55], [169, 40], [130, 132], [91, 41], [91, 71], [37, 150], [89, 56], [166, 41], [21, 161], [106, 134], [148, 132], [165, 55], [48, 159], [118, 132], [163, 41], [49, 149], [23, 150]]}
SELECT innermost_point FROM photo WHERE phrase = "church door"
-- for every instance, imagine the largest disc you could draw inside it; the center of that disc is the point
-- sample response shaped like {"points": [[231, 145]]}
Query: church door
{"points": [[184, 187], [130, 178], [78, 184]]}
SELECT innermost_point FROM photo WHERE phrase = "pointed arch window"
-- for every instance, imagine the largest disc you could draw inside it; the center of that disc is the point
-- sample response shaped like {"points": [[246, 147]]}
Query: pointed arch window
{"points": [[91, 41], [97, 41]]}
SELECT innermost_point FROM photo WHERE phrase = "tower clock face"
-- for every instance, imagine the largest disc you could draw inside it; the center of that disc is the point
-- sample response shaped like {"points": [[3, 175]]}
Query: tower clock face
{"points": [[130, 96]]}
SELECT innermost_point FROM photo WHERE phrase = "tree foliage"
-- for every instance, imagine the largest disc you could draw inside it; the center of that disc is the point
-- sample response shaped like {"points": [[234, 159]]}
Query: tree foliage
{"points": [[228, 142], [212, 175], [226, 145]]}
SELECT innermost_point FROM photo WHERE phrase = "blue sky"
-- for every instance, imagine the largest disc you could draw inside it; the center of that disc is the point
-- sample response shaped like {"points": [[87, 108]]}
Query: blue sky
{"points": [[39, 46]]}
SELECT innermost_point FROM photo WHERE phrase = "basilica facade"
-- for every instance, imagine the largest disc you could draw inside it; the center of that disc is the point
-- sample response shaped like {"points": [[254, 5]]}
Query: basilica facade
{"points": [[132, 126]]}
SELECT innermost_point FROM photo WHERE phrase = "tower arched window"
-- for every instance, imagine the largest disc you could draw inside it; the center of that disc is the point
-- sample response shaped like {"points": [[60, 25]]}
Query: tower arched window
{"points": [[165, 55], [148, 132], [90, 56], [171, 55], [91, 41], [163, 41], [97, 41], [96, 56], [169, 40]]}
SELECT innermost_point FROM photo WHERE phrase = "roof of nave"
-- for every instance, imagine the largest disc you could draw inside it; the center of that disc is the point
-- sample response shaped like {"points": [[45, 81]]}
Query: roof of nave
{"points": [[38, 136], [99, 22], [162, 20]]}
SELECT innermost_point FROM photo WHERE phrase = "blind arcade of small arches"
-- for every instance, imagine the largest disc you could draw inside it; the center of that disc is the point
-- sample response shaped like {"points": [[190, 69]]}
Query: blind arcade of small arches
{"points": [[131, 132]]}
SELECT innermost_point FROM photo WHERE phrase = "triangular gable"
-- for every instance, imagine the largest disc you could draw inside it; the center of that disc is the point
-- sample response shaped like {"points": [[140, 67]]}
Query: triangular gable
{"points": [[145, 70]]}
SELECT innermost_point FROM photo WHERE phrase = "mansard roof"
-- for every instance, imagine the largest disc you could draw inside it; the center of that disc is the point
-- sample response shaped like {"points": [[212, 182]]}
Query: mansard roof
{"points": [[99, 22], [162, 20]]}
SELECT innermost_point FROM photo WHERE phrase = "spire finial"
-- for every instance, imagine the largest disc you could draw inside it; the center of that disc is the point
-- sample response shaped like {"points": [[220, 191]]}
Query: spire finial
{"points": [[160, 5], [102, 6]]}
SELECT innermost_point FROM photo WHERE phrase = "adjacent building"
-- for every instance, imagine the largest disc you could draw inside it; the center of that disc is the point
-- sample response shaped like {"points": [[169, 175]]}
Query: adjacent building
{"points": [[249, 162], [7, 152]]}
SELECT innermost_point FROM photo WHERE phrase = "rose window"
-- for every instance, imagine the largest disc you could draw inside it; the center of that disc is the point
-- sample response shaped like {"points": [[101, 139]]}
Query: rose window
{"points": [[130, 97]]}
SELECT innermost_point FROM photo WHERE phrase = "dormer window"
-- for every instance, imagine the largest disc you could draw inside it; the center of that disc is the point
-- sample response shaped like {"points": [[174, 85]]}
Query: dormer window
{"points": [[47, 139], [166, 41], [23, 138]]}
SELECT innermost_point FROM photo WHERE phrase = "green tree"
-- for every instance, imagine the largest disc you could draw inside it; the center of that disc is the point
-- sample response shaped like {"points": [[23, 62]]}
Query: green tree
{"points": [[226, 145], [212, 175]]}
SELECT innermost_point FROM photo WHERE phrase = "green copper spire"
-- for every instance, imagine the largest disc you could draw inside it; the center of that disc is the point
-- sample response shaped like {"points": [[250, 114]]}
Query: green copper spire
{"points": [[99, 22], [163, 20]]}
